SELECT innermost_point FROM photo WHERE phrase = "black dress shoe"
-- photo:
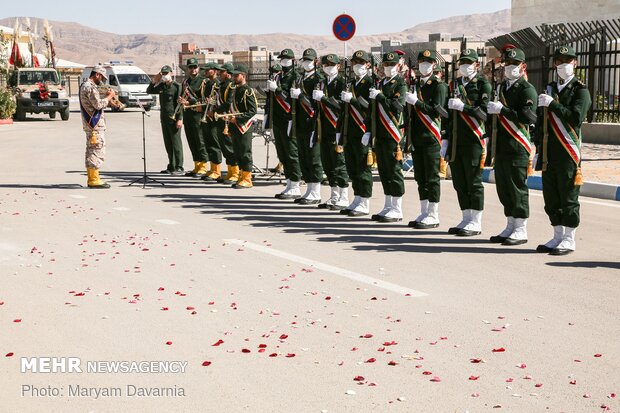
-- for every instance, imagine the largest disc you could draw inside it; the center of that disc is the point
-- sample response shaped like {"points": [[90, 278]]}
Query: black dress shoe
{"points": [[336, 207], [467, 233], [346, 211], [376, 217], [165, 171], [411, 224], [453, 230], [512, 241], [104, 185], [226, 181], [323, 205], [420, 225], [543, 248], [497, 239], [190, 173], [178, 172], [389, 219], [207, 178], [298, 200], [560, 251], [306, 201], [288, 196], [354, 213]]}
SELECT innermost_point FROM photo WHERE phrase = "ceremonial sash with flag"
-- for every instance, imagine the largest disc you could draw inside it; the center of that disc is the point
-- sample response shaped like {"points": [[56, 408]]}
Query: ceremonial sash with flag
{"points": [[307, 107], [474, 124], [357, 118], [517, 131], [570, 140], [283, 103], [243, 128], [329, 114], [433, 125], [390, 123]]}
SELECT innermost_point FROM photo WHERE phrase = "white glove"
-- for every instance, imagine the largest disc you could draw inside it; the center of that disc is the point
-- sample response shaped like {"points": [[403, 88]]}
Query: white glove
{"points": [[295, 92], [346, 96], [544, 100], [311, 143], [411, 98], [444, 148], [338, 138], [272, 85], [366, 138], [289, 127], [494, 108], [317, 94], [374, 93], [456, 104]]}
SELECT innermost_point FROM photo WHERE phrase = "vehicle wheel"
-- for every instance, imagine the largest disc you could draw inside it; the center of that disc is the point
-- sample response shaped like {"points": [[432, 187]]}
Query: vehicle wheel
{"points": [[20, 115], [52, 115], [64, 114]]}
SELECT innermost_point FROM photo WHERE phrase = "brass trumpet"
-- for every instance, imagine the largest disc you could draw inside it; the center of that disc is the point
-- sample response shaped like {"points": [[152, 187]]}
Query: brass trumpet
{"points": [[114, 102], [225, 116]]}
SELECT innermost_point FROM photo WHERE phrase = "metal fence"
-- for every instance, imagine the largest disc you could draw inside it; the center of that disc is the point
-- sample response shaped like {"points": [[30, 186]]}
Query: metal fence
{"points": [[597, 44]]}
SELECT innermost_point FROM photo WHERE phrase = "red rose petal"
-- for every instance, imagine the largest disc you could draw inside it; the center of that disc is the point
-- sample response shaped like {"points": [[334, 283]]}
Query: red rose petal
{"points": [[217, 343], [358, 378], [474, 377], [262, 346], [367, 335], [283, 337], [499, 350], [169, 343], [390, 343], [17, 320], [206, 363], [475, 360], [273, 355], [598, 355], [436, 379], [9, 354], [538, 385], [427, 373], [289, 355], [572, 382], [392, 363], [246, 350], [370, 360], [190, 308]]}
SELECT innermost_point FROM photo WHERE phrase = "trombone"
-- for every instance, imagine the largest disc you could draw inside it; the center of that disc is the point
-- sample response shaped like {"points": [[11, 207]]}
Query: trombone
{"points": [[114, 102]]}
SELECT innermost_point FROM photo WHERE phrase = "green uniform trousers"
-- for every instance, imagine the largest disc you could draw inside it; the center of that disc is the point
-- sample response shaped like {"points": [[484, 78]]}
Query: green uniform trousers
{"points": [[356, 156], [390, 170], [225, 143], [309, 157], [426, 171], [467, 176], [212, 144], [333, 162], [193, 132], [173, 144], [560, 193], [287, 150], [511, 184], [242, 147]]}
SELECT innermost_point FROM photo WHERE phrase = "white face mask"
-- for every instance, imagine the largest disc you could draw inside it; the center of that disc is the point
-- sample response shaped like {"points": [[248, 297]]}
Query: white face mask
{"points": [[286, 62], [330, 70], [467, 70], [426, 68], [360, 70], [308, 65], [565, 70], [167, 78], [512, 72], [390, 71]]}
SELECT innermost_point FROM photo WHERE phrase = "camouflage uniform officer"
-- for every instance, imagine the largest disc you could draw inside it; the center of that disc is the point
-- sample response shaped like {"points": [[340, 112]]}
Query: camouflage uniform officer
{"points": [[223, 103], [516, 110], [171, 123], [332, 153], [93, 123], [467, 150], [566, 102], [192, 87]]}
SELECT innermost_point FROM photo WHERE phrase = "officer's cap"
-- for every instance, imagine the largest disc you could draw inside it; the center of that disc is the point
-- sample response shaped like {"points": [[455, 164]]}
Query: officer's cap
{"points": [[427, 56]]}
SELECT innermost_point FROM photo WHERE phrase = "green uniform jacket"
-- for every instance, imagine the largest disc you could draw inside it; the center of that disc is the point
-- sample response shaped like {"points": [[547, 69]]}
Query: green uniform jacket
{"points": [[392, 99], [224, 96], [304, 120], [280, 115], [430, 94], [208, 89], [195, 89], [333, 89], [359, 89], [518, 101], [244, 101], [168, 95], [474, 95]]}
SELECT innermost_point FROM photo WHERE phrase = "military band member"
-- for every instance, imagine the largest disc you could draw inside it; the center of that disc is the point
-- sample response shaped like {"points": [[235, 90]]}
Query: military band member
{"points": [[566, 104], [169, 92], [192, 112], [389, 95], [210, 89], [467, 150], [243, 106], [427, 98], [306, 124], [352, 132], [93, 123], [332, 152], [223, 104], [286, 147], [516, 109]]}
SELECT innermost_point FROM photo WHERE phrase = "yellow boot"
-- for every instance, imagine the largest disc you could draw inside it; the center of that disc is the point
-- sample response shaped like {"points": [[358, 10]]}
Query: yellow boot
{"points": [[214, 174], [202, 169], [94, 181], [443, 168], [245, 181], [232, 175], [193, 171]]}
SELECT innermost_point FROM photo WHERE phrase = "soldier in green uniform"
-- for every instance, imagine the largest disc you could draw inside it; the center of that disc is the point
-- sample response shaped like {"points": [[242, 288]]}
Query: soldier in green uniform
{"points": [[565, 104], [439, 74], [169, 92], [354, 126], [244, 106], [223, 103], [516, 110], [286, 146], [389, 95], [467, 149], [306, 125], [427, 97], [192, 87], [210, 88], [332, 151]]}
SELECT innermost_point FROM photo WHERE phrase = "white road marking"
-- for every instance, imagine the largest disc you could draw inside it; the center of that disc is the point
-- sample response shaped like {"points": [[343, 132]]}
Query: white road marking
{"points": [[167, 222], [121, 209], [329, 268], [78, 196], [586, 200]]}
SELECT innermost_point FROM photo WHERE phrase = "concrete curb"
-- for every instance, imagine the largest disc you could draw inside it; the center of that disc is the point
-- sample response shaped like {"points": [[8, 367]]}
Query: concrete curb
{"points": [[589, 189]]}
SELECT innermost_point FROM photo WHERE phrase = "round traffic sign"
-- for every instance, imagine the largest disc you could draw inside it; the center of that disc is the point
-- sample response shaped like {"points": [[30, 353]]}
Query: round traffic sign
{"points": [[344, 27]]}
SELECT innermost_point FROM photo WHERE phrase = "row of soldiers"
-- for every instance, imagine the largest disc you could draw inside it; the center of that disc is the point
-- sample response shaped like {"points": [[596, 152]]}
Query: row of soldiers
{"points": [[326, 124]]}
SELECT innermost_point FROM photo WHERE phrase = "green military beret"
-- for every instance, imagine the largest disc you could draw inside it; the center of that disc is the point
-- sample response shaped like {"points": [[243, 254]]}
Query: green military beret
{"points": [[239, 68], [165, 69], [192, 62], [390, 57], [227, 67], [330, 59], [427, 55], [438, 68], [309, 54], [276, 68], [514, 54], [286, 54], [469, 55], [212, 65], [361, 56], [564, 51]]}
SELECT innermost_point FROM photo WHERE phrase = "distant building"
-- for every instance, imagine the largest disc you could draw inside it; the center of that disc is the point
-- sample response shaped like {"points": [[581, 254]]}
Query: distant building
{"points": [[203, 55], [445, 45], [256, 58], [530, 13]]}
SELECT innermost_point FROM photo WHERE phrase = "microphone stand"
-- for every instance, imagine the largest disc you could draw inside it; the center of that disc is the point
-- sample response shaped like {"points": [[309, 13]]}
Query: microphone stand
{"points": [[145, 179]]}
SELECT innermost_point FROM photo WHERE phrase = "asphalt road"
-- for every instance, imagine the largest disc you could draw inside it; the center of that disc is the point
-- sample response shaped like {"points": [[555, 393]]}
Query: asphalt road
{"points": [[309, 305]]}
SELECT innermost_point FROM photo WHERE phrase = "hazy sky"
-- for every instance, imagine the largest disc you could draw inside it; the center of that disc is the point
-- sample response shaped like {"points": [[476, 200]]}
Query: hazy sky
{"points": [[246, 16]]}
